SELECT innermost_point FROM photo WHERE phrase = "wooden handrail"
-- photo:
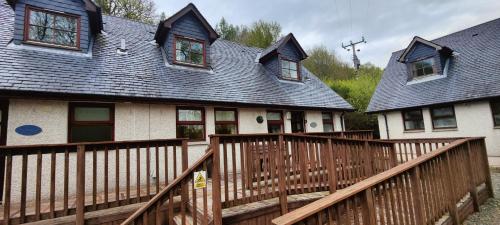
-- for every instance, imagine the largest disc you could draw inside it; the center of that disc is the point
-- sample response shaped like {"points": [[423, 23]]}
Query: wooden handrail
{"points": [[166, 190], [358, 188]]}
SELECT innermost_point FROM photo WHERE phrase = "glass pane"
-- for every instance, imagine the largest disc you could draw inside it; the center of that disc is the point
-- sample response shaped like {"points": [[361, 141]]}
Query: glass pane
{"points": [[41, 34], [192, 132], [225, 116], [445, 111], [91, 133], [326, 116], [294, 75], [197, 47], [327, 127], [189, 115], [415, 114], [273, 128], [225, 129], [65, 38], [182, 45], [293, 66], [196, 58], [414, 125], [445, 123], [285, 73], [66, 23], [41, 19], [180, 56], [495, 107], [428, 70], [497, 119], [285, 64], [273, 116], [92, 114]]}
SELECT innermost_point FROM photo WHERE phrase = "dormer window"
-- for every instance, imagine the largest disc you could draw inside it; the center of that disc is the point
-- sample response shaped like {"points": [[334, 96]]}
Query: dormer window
{"points": [[423, 67], [289, 70], [189, 51], [51, 28]]}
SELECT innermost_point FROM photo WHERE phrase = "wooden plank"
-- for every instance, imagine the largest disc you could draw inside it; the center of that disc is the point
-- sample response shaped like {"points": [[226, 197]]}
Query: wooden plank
{"points": [[281, 177], [7, 190], [66, 182], [52, 203], [38, 187], [80, 185], [216, 194], [24, 174]]}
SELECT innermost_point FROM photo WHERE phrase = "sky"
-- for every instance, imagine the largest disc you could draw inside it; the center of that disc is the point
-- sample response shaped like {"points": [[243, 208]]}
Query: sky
{"points": [[387, 25]]}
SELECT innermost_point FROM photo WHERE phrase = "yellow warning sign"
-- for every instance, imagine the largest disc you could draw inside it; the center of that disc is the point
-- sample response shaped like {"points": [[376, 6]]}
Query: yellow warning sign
{"points": [[200, 179]]}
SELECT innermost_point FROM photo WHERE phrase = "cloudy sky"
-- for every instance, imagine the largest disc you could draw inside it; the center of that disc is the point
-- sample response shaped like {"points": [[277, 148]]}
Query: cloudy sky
{"points": [[388, 25]]}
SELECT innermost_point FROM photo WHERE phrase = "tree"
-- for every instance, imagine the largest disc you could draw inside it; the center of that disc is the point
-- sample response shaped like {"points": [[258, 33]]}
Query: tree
{"points": [[260, 34], [326, 65], [138, 10]]}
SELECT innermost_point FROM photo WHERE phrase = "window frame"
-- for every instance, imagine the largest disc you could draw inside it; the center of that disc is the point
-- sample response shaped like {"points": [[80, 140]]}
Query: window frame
{"points": [[433, 117], [235, 122], [280, 122], [202, 122], [299, 76], [405, 119], [27, 15], [330, 121], [204, 55], [494, 101], [414, 70], [72, 122]]}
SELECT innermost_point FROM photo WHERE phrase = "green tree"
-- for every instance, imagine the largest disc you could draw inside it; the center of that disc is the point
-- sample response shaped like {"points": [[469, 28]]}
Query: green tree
{"points": [[260, 34], [326, 64], [138, 10]]}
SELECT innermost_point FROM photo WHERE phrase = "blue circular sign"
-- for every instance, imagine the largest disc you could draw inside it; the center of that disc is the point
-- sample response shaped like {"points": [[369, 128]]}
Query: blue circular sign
{"points": [[28, 130]]}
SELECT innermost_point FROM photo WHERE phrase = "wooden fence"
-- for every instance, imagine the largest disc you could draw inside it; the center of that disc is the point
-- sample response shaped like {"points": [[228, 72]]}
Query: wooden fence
{"points": [[452, 180], [71, 179]]}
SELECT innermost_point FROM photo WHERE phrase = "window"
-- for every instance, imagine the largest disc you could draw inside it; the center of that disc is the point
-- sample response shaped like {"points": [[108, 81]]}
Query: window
{"points": [[495, 109], [423, 67], [191, 123], [274, 122], [226, 121], [289, 70], [189, 51], [91, 122], [413, 120], [443, 117], [46, 27], [327, 121]]}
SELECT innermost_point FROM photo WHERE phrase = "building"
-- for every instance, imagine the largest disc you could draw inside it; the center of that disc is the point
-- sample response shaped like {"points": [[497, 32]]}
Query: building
{"points": [[69, 74], [447, 87]]}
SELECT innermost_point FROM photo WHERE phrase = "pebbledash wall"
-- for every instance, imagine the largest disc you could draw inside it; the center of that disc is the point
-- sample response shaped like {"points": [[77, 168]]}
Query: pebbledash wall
{"points": [[132, 122], [474, 119]]}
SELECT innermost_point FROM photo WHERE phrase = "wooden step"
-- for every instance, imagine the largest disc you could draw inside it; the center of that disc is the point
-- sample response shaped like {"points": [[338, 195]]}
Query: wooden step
{"points": [[178, 219]]}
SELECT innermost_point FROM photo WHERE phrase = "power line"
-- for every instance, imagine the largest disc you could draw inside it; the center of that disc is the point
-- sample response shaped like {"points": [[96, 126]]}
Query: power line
{"points": [[352, 46]]}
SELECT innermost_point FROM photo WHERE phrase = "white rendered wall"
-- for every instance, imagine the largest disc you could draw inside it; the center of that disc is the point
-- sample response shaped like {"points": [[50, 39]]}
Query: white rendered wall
{"points": [[473, 120]]}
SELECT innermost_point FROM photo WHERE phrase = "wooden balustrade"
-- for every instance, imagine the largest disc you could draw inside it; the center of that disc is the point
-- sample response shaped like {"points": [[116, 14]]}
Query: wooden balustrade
{"points": [[420, 191], [408, 149], [353, 134], [173, 201], [49, 181]]}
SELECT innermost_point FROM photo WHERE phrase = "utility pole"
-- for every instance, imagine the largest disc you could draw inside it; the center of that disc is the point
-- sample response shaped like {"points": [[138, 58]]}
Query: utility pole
{"points": [[355, 58]]}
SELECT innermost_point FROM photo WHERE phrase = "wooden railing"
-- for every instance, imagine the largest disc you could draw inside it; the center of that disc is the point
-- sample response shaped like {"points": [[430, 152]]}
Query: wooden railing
{"points": [[71, 179], [161, 208], [447, 181], [353, 134], [408, 149]]}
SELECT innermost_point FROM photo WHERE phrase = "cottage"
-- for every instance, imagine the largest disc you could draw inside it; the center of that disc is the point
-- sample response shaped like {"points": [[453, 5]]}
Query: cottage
{"points": [[70, 74], [447, 87]]}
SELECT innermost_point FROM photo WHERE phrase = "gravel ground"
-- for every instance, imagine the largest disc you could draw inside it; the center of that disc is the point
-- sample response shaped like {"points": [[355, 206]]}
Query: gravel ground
{"points": [[489, 212]]}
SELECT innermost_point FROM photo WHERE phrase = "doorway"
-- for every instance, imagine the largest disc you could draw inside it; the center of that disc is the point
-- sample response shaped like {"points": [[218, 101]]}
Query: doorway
{"points": [[4, 110], [298, 121]]}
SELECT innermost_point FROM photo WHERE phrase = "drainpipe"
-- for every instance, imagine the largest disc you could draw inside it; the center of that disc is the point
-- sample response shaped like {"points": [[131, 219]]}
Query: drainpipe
{"points": [[342, 121], [386, 126]]}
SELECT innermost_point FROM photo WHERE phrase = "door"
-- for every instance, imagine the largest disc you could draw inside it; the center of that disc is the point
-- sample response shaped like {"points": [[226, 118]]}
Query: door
{"points": [[4, 109], [297, 122]]}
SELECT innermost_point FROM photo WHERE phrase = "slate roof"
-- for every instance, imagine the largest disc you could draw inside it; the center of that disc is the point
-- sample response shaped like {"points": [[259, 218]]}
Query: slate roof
{"points": [[473, 73], [142, 73]]}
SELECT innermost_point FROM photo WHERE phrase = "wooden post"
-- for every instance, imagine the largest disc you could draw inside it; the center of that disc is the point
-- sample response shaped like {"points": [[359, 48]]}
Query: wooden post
{"points": [[472, 182], [185, 184], [394, 155], [80, 185], [369, 216], [368, 160], [486, 168], [331, 166], [216, 192], [418, 149], [417, 195], [8, 178], [452, 207], [281, 175]]}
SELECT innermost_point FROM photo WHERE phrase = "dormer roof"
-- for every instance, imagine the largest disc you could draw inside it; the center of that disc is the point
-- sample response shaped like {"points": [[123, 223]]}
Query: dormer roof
{"points": [[166, 25], [278, 45], [417, 40]]}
